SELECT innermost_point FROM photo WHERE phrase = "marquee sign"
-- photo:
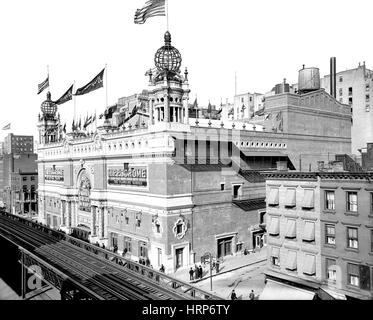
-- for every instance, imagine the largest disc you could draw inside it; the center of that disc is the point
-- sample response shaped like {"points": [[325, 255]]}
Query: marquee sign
{"points": [[130, 176], [54, 174]]}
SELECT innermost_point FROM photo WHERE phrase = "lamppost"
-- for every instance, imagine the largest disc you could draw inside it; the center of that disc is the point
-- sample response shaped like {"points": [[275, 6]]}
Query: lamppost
{"points": [[209, 256]]}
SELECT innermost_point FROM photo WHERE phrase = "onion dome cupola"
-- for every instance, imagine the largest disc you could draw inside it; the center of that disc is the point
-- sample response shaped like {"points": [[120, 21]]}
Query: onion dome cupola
{"points": [[48, 108]]}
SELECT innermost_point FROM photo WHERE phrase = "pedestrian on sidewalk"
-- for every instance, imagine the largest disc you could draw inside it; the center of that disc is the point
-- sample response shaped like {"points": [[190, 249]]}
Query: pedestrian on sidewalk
{"points": [[191, 272], [162, 268], [196, 272], [252, 295], [233, 295], [217, 266], [200, 272]]}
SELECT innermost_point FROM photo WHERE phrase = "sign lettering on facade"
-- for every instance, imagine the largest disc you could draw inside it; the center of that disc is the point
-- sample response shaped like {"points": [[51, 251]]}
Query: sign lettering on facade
{"points": [[54, 174], [133, 176]]}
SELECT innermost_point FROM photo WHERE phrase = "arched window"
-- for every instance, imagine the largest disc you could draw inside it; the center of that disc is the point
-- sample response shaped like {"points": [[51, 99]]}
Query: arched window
{"points": [[84, 192]]}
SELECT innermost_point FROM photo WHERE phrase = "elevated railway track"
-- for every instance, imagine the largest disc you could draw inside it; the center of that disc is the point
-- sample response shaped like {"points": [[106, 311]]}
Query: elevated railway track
{"points": [[83, 271]]}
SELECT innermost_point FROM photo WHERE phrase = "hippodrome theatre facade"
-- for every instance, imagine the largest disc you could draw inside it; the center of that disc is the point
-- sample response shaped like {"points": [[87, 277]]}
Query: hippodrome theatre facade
{"points": [[158, 185]]}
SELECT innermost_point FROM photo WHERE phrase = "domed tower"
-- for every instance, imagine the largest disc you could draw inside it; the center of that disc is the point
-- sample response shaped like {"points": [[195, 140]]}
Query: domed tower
{"points": [[169, 89], [48, 121]]}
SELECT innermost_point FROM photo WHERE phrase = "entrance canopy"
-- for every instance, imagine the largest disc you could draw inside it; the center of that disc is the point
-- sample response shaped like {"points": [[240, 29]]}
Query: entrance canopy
{"points": [[279, 291]]}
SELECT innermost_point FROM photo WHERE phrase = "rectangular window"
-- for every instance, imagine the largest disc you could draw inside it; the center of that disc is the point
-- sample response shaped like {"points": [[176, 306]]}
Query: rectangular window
{"points": [[330, 234], [138, 222], [143, 250], [367, 108], [350, 100], [340, 91], [236, 191], [353, 274], [352, 238], [331, 272], [24, 178], [350, 91], [32, 178], [340, 79], [291, 229], [127, 219], [273, 197], [290, 200], [308, 199], [274, 227], [127, 244], [309, 267], [367, 87], [309, 231], [222, 186], [352, 201], [291, 261], [329, 200], [275, 256]]}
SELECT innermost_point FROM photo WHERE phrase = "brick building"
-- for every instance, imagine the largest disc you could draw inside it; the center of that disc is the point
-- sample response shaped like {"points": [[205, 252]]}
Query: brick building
{"points": [[320, 235], [18, 144], [18, 175]]}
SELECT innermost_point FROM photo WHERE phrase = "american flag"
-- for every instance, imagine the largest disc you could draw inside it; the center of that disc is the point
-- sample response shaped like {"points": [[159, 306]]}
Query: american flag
{"points": [[42, 86], [7, 127], [152, 8]]}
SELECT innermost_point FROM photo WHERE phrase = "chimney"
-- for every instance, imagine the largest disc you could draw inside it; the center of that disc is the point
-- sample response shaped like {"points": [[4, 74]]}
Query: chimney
{"points": [[333, 77]]}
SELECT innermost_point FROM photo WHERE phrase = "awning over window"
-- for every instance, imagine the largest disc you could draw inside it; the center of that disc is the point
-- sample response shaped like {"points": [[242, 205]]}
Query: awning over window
{"points": [[279, 291], [274, 227], [291, 260], [309, 231], [273, 197], [310, 265], [291, 230], [308, 199], [290, 198], [275, 252]]}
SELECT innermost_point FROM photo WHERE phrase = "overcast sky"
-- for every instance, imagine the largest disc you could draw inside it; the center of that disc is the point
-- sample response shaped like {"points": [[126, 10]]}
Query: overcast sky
{"points": [[263, 41]]}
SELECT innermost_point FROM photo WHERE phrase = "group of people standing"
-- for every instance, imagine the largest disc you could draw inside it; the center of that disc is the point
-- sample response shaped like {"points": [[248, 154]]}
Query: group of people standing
{"points": [[234, 295], [196, 273]]}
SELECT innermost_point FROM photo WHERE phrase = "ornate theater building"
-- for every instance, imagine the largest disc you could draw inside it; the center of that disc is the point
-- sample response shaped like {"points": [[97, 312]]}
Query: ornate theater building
{"points": [[158, 185]]}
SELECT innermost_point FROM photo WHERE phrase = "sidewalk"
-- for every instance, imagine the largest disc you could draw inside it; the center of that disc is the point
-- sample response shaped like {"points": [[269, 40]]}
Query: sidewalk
{"points": [[229, 264], [6, 292]]}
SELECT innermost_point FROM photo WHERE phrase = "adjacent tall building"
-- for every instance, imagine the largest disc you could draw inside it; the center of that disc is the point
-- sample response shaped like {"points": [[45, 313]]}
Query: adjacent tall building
{"points": [[320, 235], [18, 175], [355, 88]]}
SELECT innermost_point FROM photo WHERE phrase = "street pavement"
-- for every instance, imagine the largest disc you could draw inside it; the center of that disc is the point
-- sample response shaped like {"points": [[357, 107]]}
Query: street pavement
{"points": [[241, 273]]}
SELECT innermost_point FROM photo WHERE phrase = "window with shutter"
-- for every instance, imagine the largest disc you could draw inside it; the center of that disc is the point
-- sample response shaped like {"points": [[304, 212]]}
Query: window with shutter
{"points": [[273, 197], [309, 231], [274, 228], [291, 261], [290, 200], [308, 199], [291, 231]]}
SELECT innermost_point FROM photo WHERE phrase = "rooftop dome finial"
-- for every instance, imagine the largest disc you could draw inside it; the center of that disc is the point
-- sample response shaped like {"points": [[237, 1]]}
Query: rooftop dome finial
{"points": [[168, 58], [167, 38]]}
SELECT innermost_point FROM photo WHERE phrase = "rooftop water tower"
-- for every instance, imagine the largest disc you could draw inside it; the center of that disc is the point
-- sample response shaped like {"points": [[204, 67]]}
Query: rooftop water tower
{"points": [[308, 80]]}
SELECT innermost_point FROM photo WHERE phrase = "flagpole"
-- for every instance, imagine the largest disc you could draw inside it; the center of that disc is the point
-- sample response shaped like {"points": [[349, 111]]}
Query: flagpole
{"points": [[167, 15], [106, 84], [74, 97]]}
